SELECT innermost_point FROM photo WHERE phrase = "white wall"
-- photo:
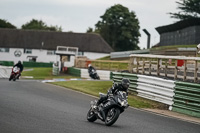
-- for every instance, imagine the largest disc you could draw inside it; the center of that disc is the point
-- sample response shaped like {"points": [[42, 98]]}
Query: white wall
{"points": [[41, 56], [93, 56], [71, 63]]}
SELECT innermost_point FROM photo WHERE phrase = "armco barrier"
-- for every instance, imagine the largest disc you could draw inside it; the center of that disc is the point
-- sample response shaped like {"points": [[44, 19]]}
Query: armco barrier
{"points": [[153, 88], [181, 97], [6, 63], [156, 89], [55, 70], [5, 71], [187, 98], [37, 64], [74, 71]]}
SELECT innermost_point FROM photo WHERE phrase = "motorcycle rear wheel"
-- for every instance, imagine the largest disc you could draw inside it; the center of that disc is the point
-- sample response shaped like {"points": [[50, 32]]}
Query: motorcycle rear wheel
{"points": [[98, 77], [91, 117], [112, 116], [11, 77]]}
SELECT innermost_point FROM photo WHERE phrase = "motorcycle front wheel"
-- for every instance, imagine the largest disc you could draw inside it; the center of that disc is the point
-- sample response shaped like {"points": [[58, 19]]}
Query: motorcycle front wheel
{"points": [[91, 117], [112, 116]]}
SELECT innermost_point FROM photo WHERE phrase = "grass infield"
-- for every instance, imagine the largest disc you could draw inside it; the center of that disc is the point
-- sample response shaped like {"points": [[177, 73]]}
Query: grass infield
{"points": [[90, 87], [94, 87], [44, 73]]}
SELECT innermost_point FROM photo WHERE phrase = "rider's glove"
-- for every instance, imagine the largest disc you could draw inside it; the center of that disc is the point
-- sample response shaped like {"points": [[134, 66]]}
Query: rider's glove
{"points": [[110, 95]]}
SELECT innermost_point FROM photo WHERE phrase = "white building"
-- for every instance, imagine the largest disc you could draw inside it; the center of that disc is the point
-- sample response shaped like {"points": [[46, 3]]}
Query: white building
{"points": [[40, 46]]}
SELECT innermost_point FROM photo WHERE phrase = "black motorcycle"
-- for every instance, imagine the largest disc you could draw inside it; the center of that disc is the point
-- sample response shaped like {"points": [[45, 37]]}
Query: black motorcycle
{"points": [[93, 74], [109, 110]]}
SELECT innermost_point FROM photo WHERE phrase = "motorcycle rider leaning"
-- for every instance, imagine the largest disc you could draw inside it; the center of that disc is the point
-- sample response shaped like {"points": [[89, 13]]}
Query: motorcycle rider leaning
{"points": [[90, 68], [20, 66], [123, 86]]}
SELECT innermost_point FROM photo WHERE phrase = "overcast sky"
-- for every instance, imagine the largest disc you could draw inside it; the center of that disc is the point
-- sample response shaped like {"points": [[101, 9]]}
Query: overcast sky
{"points": [[78, 15]]}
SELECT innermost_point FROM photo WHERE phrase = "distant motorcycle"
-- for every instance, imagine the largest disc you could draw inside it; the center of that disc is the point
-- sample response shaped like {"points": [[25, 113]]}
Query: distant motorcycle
{"points": [[15, 73], [94, 74], [109, 110]]}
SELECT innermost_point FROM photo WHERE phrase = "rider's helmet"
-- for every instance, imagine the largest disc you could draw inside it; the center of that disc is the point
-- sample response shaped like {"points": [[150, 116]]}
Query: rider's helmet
{"points": [[89, 65], [19, 62], [125, 83], [198, 48]]}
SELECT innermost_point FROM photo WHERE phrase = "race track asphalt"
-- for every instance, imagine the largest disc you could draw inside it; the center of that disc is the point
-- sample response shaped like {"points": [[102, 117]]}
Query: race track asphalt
{"points": [[28, 106]]}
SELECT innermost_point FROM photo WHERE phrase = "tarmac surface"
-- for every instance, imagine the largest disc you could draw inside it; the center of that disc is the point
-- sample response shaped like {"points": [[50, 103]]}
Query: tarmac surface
{"points": [[169, 113], [30, 106]]}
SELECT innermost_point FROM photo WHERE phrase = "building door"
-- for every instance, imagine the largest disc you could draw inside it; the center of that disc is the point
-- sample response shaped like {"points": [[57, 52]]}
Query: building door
{"points": [[63, 59]]}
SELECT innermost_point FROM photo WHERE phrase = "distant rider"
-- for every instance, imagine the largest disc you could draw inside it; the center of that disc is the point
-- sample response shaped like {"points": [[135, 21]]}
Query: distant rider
{"points": [[198, 49], [20, 66], [90, 68]]}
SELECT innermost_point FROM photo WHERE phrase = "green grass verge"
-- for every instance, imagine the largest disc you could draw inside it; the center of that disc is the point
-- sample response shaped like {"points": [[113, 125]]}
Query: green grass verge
{"points": [[104, 58], [44, 73], [108, 65], [94, 87], [173, 47]]}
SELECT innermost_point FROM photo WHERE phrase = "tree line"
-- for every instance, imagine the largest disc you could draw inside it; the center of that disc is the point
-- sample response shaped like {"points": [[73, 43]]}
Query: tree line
{"points": [[33, 24], [118, 26]]}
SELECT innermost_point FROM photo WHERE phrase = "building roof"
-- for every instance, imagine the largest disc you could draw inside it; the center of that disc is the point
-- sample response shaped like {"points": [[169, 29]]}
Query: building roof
{"points": [[33, 39], [178, 25]]}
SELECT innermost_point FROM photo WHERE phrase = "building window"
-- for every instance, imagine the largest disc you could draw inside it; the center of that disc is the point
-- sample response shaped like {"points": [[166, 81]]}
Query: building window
{"points": [[81, 53], [32, 58], [28, 51], [6, 50], [51, 52]]}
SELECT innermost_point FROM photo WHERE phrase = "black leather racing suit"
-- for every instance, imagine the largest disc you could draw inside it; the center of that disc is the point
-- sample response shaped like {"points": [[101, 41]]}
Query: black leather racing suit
{"points": [[90, 70], [115, 88], [21, 67]]}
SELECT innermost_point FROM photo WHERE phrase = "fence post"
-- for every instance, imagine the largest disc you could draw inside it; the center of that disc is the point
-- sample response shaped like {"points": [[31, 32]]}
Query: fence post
{"points": [[185, 69], [195, 71], [131, 65], [175, 69], [158, 67], [150, 66], [166, 65], [137, 70], [143, 65]]}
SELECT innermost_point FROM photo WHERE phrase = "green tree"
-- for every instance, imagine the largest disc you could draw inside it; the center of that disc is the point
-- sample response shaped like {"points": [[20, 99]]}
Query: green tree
{"points": [[89, 30], [188, 9], [5, 24], [120, 28], [54, 28], [40, 25]]}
